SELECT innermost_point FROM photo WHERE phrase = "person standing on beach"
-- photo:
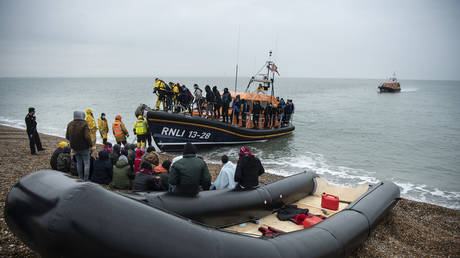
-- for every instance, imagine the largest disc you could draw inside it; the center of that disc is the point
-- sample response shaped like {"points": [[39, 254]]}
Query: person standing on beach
{"points": [[119, 131], [140, 129], [34, 139], [80, 141], [103, 128], [92, 126]]}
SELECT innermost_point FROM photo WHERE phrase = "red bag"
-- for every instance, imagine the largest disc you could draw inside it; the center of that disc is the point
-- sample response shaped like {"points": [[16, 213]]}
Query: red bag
{"points": [[310, 221]]}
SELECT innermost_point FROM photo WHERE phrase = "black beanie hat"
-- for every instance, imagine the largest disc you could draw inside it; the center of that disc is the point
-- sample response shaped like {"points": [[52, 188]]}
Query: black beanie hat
{"points": [[31, 109], [189, 148]]}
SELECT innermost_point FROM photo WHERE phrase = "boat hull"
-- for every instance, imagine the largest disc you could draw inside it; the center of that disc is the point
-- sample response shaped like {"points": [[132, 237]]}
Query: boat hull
{"points": [[171, 131], [58, 216], [389, 89]]}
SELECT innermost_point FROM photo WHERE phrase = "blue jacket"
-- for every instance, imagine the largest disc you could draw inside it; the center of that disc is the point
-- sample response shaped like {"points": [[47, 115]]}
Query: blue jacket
{"points": [[236, 106]]}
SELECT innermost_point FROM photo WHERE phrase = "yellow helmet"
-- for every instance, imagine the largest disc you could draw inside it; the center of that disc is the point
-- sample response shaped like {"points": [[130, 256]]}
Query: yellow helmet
{"points": [[62, 144], [89, 111], [140, 117]]}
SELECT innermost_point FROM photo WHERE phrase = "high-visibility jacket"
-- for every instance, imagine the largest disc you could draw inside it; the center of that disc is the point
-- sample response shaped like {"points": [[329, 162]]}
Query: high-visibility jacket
{"points": [[140, 126], [117, 130], [91, 124], [176, 89], [103, 127], [160, 85]]}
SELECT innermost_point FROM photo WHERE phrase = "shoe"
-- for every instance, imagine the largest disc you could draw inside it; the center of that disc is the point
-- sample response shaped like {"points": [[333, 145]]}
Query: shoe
{"points": [[42, 149], [33, 153]]}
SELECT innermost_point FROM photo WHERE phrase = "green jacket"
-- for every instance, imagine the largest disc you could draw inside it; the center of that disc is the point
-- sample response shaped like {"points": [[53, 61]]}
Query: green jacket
{"points": [[188, 173], [121, 175]]}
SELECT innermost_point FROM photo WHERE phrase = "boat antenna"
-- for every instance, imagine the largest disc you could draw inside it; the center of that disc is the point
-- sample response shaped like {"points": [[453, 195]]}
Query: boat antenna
{"points": [[271, 63], [237, 57]]}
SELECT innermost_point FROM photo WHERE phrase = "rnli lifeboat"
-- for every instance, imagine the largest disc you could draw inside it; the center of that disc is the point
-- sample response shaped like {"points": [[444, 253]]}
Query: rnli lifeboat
{"points": [[172, 130], [392, 85]]}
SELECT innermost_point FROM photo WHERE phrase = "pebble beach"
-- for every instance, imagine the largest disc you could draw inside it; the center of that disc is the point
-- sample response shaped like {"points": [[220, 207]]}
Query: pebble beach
{"points": [[411, 229]]}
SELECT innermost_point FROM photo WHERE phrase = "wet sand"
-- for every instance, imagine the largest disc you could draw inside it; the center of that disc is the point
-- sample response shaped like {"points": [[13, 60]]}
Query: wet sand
{"points": [[411, 229]]}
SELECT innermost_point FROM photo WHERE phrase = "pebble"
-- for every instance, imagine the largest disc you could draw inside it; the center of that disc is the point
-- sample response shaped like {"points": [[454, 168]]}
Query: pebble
{"points": [[411, 229]]}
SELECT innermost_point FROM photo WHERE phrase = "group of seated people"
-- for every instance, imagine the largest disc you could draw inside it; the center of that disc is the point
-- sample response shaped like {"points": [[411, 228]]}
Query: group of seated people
{"points": [[132, 169]]}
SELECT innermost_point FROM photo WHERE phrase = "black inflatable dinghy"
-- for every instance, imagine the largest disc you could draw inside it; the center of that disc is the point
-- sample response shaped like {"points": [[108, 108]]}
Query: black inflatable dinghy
{"points": [[58, 216]]}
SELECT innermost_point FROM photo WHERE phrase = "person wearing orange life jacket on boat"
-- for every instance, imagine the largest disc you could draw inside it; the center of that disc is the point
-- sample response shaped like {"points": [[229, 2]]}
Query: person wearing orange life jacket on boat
{"points": [[103, 128], [92, 126], [119, 131], [140, 129]]}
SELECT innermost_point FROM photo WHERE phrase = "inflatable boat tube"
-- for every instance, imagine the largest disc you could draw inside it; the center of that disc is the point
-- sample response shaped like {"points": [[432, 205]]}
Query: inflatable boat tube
{"points": [[58, 216], [228, 207]]}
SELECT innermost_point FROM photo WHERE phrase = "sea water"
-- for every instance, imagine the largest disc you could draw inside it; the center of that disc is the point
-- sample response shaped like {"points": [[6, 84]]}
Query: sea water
{"points": [[345, 131]]}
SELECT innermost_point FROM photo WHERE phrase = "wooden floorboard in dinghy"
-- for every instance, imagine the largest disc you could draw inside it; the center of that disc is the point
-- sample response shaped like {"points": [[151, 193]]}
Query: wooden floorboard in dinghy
{"points": [[311, 202]]}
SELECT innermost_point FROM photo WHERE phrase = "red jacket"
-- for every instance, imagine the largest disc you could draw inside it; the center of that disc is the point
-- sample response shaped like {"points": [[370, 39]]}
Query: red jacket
{"points": [[138, 160]]}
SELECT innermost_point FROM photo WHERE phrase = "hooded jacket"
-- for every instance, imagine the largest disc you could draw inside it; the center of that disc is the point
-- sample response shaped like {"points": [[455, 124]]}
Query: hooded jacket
{"points": [[152, 158], [121, 174], [64, 160], [78, 133], [122, 137], [91, 123], [53, 160], [248, 170], [103, 127], [144, 181], [103, 170], [226, 177], [188, 174], [138, 159], [115, 154]]}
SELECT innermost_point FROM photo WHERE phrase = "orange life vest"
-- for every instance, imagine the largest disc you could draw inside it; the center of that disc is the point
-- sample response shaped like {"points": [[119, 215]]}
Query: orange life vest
{"points": [[117, 128]]}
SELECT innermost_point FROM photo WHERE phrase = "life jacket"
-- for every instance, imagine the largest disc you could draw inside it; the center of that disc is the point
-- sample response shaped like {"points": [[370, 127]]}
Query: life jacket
{"points": [[91, 124], [141, 127], [160, 85], [103, 128], [176, 89], [117, 131]]}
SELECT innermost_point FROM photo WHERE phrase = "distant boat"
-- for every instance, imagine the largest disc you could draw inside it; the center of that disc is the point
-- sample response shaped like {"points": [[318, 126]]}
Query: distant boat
{"points": [[392, 85]]}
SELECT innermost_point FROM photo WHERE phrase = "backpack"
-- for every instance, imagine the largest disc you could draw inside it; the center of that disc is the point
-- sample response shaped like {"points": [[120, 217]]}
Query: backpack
{"points": [[64, 162]]}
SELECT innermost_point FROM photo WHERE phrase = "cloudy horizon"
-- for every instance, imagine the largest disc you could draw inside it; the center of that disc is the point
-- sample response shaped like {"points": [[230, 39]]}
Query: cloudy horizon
{"points": [[317, 39]]}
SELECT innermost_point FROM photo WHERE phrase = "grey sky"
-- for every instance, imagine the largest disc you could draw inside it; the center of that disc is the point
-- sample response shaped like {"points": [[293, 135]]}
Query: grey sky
{"points": [[353, 39]]}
